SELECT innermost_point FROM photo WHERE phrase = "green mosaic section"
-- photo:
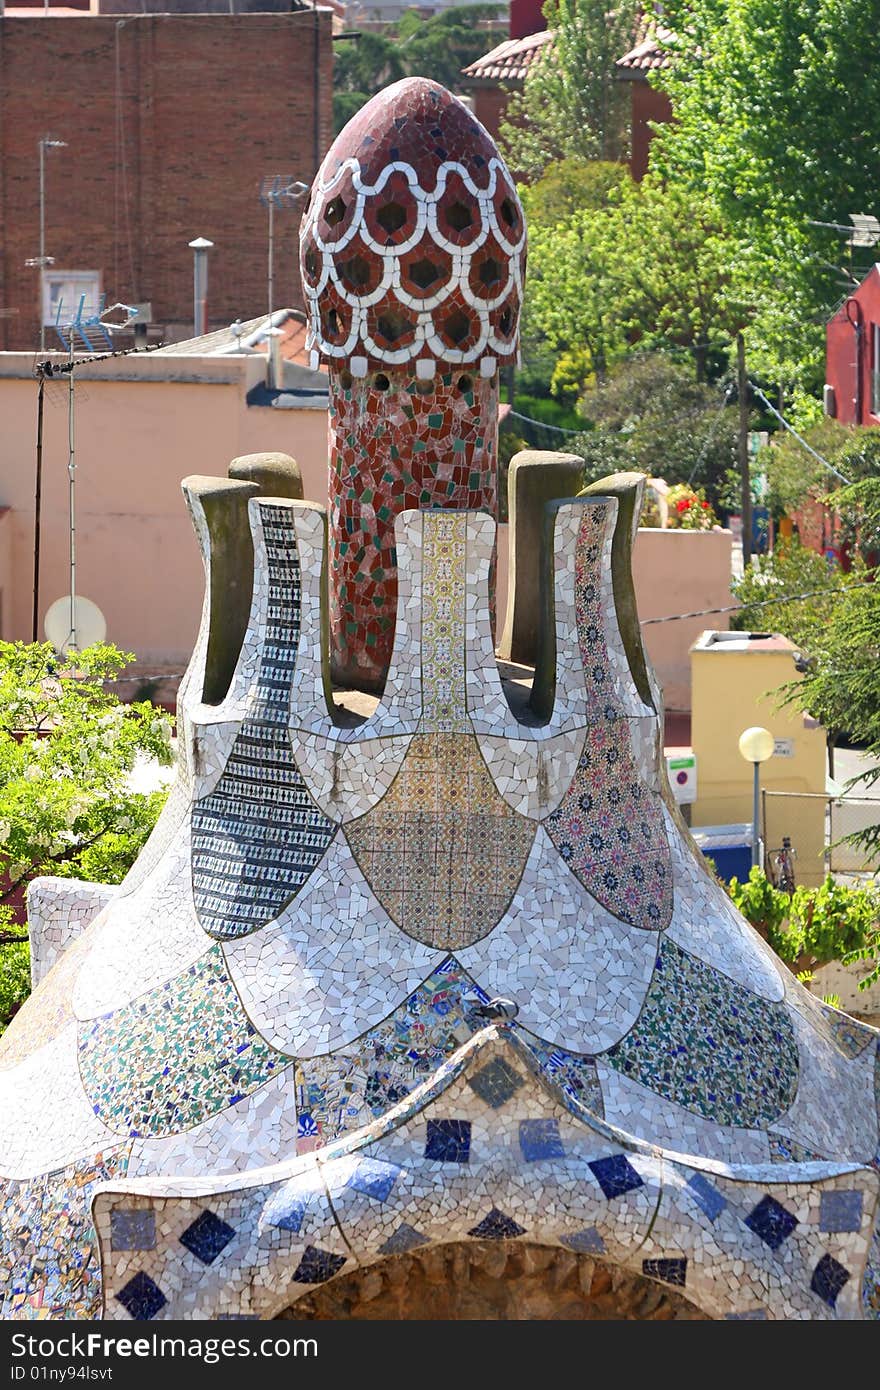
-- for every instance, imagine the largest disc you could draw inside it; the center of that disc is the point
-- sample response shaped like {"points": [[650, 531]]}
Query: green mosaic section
{"points": [[710, 1045], [49, 1262], [176, 1056]]}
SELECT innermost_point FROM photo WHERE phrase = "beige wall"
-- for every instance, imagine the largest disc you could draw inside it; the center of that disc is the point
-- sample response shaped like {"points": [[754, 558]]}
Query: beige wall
{"points": [[679, 572], [733, 690], [141, 426]]}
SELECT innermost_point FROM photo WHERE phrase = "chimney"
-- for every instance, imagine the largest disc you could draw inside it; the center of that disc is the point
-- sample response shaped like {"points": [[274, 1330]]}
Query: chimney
{"points": [[200, 248]]}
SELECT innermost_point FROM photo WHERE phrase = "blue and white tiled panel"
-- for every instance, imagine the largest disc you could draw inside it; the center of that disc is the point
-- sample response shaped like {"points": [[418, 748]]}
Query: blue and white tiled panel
{"points": [[259, 690], [59, 909], [489, 1155]]}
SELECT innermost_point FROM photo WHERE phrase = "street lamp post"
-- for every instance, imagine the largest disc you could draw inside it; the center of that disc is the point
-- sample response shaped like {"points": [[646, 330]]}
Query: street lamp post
{"points": [[43, 144], [756, 745]]}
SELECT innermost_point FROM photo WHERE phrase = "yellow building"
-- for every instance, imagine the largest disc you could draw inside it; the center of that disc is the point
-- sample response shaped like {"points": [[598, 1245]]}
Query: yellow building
{"points": [[736, 680]]}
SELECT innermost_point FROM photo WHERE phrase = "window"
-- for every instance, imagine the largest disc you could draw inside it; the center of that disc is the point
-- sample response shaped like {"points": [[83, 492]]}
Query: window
{"points": [[66, 288], [875, 368]]}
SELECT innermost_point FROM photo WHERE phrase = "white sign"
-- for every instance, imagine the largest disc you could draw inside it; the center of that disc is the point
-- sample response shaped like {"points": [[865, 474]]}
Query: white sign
{"points": [[681, 769], [783, 748]]}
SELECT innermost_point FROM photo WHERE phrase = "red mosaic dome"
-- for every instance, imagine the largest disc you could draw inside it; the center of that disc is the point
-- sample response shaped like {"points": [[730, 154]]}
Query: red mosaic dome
{"points": [[413, 244]]}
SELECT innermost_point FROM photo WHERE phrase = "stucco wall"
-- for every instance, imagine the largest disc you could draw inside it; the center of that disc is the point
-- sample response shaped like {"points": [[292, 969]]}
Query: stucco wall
{"points": [[679, 572], [733, 690], [140, 428]]}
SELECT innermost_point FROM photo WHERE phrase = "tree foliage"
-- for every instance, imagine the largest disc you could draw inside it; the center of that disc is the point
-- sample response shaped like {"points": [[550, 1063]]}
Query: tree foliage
{"points": [[776, 112], [813, 926], [67, 749], [571, 102], [673, 426], [437, 47]]}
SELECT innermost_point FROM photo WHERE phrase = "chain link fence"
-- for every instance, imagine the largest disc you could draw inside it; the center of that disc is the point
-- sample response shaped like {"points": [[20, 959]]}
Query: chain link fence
{"points": [[816, 824]]}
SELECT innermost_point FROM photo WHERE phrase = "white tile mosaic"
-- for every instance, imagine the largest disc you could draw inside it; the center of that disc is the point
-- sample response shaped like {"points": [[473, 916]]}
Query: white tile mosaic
{"points": [[59, 910], [54, 1122], [578, 974], [329, 967]]}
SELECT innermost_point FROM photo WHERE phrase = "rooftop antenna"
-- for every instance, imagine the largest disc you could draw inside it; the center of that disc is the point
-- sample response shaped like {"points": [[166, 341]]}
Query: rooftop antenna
{"points": [[277, 191], [92, 328]]}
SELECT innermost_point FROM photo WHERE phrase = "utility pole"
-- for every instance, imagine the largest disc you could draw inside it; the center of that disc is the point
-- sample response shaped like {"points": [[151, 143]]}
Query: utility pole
{"points": [[743, 448]]}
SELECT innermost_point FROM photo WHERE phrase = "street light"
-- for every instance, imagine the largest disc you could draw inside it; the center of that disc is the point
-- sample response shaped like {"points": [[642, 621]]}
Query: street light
{"points": [[45, 143], [756, 745]]}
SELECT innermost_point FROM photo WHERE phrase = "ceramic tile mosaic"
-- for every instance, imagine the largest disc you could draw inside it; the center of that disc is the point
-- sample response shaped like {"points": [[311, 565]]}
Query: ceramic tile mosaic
{"points": [[832, 1112], [59, 910], [50, 1263], [443, 852], [143, 1079], [411, 316], [332, 965], [144, 938], [258, 1130], [258, 836], [578, 975], [706, 924], [637, 1110], [710, 1046], [609, 828], [54, 1122], [330, 1090], [452, 1164], [49, 1009]]}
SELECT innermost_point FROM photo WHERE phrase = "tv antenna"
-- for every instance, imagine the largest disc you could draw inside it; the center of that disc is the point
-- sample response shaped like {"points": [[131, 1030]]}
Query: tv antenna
{"points": [[92, 329], [278, 191]]}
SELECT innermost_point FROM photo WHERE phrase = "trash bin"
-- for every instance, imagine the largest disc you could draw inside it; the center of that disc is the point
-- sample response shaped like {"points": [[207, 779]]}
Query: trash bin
{"points": [[728, 846]]}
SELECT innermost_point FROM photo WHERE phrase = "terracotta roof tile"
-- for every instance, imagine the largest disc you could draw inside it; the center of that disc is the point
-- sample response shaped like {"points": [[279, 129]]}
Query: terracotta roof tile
{"points": [[510, 60], [648, 54]]}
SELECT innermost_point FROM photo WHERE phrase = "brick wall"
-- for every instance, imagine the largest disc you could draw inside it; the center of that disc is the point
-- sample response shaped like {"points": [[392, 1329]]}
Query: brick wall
{"points": [[171, 120]]}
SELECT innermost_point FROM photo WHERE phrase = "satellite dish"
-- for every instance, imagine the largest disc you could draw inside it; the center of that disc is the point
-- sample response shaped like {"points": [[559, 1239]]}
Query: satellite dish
{"points": [[91, 625]]}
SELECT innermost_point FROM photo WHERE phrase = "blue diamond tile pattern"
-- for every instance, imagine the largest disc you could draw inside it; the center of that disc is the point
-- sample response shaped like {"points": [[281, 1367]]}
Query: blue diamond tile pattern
{"points": [[131, 1229], [828, 1279], [496, 1226], [317, 1266], [771, 1221], [753, 1315], [496, 1083], [706, 1196], [141, 1298], [669, 1271], [290, 1219], [586, 1242], [374, 1179], [258, 836], [540, 1139], [449, 1141], [615, 1175], [403, 1239], [840, 1211], [207, 1237]]}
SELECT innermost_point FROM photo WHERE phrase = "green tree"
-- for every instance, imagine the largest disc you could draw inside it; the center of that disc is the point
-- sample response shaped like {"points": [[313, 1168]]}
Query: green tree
{"points": [[440, 46], [67, 749], [674, 427], [571, 298], [571, 103], [648, 265], [770, 583], [776, 112], [360, 69]]}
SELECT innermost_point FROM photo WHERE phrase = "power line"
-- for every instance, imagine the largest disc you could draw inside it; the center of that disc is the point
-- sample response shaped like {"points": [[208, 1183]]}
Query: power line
{"points": [[799, 437], [761, 603]]}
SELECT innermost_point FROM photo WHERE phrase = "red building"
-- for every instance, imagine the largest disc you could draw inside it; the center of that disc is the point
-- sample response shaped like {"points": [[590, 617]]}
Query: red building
{"points": [[852, 356], [169, 122], [648, 104], [495, 77]]}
